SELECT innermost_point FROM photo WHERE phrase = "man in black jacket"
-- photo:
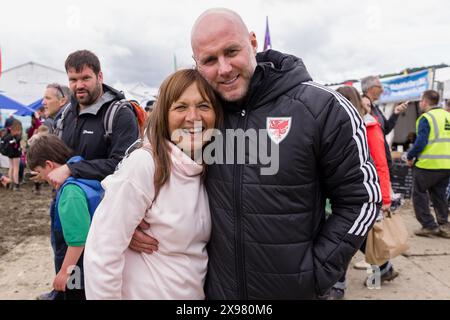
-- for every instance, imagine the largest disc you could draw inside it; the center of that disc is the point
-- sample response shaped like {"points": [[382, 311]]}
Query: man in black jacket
{"points": [[270, 238], [83, 128]]}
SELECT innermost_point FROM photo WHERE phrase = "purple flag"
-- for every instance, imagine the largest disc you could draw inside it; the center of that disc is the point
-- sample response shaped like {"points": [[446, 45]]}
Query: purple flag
{"points": [[267, 43], [0, 61]]}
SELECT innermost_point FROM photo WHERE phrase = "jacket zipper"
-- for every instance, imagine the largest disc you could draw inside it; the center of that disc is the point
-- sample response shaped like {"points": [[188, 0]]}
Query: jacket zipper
{"points": [[77, 135], [240, 267]]}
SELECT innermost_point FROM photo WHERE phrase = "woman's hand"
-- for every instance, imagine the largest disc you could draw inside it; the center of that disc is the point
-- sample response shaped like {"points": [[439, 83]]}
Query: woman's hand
{"points": [[386, 208]]}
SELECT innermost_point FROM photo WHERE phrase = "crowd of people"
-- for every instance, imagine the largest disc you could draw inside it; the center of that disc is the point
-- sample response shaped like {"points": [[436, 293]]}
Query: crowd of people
{"points": [[157, 223]]}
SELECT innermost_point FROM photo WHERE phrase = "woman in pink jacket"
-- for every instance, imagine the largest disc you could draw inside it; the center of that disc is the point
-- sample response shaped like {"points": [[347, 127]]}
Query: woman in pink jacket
{"points": [[162, 184]]}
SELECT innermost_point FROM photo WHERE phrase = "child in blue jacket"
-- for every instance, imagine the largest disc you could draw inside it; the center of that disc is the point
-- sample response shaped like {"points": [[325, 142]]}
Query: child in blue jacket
{"points": [[75, 204]]}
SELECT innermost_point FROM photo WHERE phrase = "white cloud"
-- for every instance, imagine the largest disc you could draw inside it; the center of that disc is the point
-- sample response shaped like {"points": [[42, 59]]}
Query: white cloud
{"points": [[137, 40]]}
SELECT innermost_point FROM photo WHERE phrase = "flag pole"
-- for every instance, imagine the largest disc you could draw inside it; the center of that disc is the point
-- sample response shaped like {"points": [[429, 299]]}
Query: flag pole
{"points": [[175, 62], [0, 61], [267, 41]]}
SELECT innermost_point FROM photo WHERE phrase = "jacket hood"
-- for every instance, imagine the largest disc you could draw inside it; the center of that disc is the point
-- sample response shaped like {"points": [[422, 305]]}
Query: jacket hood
{"points": [[275, 74], [118, 94], [93, 184], [183, 162]]}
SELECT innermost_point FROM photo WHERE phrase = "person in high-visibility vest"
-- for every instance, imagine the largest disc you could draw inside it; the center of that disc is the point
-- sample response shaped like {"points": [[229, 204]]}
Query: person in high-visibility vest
{"points": [[447, 107], [431, 172]]}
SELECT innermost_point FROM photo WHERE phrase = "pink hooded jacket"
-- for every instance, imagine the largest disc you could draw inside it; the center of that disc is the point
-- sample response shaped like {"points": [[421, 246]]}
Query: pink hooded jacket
{"points": [[179, 220]]}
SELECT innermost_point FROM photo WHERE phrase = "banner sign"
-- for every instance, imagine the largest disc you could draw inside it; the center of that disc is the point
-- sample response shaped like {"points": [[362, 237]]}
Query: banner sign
{"points": [[409, 87]]}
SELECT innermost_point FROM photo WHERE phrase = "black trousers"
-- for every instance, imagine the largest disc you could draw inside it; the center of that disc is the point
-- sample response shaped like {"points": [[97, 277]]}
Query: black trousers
{"points": [[74, 294], [435, 182]]}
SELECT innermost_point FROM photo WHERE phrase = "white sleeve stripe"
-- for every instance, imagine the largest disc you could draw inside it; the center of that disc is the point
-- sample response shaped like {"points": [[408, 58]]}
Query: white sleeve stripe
{"points": [[362, 221], [368, 177], [366, 185], [366, 228], [361, 133], [368, 210], [365, 222], [363, 209], [358, 229], [359, 129], [377, 185]]}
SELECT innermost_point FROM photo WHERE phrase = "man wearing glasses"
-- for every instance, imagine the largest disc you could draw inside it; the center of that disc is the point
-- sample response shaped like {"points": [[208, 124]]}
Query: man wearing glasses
{"points": [[372, 89], [56, 99]]}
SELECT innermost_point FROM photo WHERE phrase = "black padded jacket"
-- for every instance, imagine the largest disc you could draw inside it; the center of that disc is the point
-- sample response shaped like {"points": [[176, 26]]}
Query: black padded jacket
{"points": [[270, 238], [85, 135]]}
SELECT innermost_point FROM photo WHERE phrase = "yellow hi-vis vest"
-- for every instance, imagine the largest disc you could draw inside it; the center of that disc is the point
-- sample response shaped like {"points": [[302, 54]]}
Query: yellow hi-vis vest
{"points": [[436, 154]]}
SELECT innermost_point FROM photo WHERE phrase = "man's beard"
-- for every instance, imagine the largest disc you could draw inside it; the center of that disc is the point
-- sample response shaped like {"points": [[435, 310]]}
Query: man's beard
{"points": [[90, 96]]}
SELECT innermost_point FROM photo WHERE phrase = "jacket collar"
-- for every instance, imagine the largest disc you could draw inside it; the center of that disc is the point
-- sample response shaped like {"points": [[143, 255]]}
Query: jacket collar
{"points": [[109, 94], [61, 110], [94, 108], [275, 74]]}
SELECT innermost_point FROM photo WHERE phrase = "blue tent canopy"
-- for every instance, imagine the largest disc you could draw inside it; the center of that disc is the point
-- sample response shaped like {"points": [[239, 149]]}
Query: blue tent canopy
{"points": [[11, 104], [25, 112], [36, 105], [8, 103]]}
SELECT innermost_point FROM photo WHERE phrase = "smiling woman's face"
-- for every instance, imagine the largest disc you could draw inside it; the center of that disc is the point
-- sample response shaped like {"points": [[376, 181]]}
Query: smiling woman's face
{"points": [[189, 119]]}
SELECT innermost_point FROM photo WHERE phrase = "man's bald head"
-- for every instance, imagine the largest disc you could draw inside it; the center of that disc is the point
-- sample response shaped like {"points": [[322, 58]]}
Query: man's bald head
{"points": [[212, 16], [225, 52]]}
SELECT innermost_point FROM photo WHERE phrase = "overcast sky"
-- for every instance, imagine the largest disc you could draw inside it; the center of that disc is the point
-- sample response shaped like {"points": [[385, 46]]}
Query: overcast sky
{"points": [[137, 40]]}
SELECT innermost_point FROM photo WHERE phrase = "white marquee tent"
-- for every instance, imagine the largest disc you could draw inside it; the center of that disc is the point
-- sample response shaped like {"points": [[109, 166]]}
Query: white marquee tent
{"points": [[26, 83]]}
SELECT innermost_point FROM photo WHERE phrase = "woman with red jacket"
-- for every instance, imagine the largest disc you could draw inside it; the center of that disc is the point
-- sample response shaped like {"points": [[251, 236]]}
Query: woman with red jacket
{"points": [[375, 140]]}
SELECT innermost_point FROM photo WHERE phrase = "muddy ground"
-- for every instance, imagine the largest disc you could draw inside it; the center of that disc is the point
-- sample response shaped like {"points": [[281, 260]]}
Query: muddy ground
{"points": [[23, 214], [26, 265]]}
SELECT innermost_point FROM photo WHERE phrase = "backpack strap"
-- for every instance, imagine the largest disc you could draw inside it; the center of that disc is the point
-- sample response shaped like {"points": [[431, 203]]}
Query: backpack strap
{"points": [[110, 113], [58, 129]]}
